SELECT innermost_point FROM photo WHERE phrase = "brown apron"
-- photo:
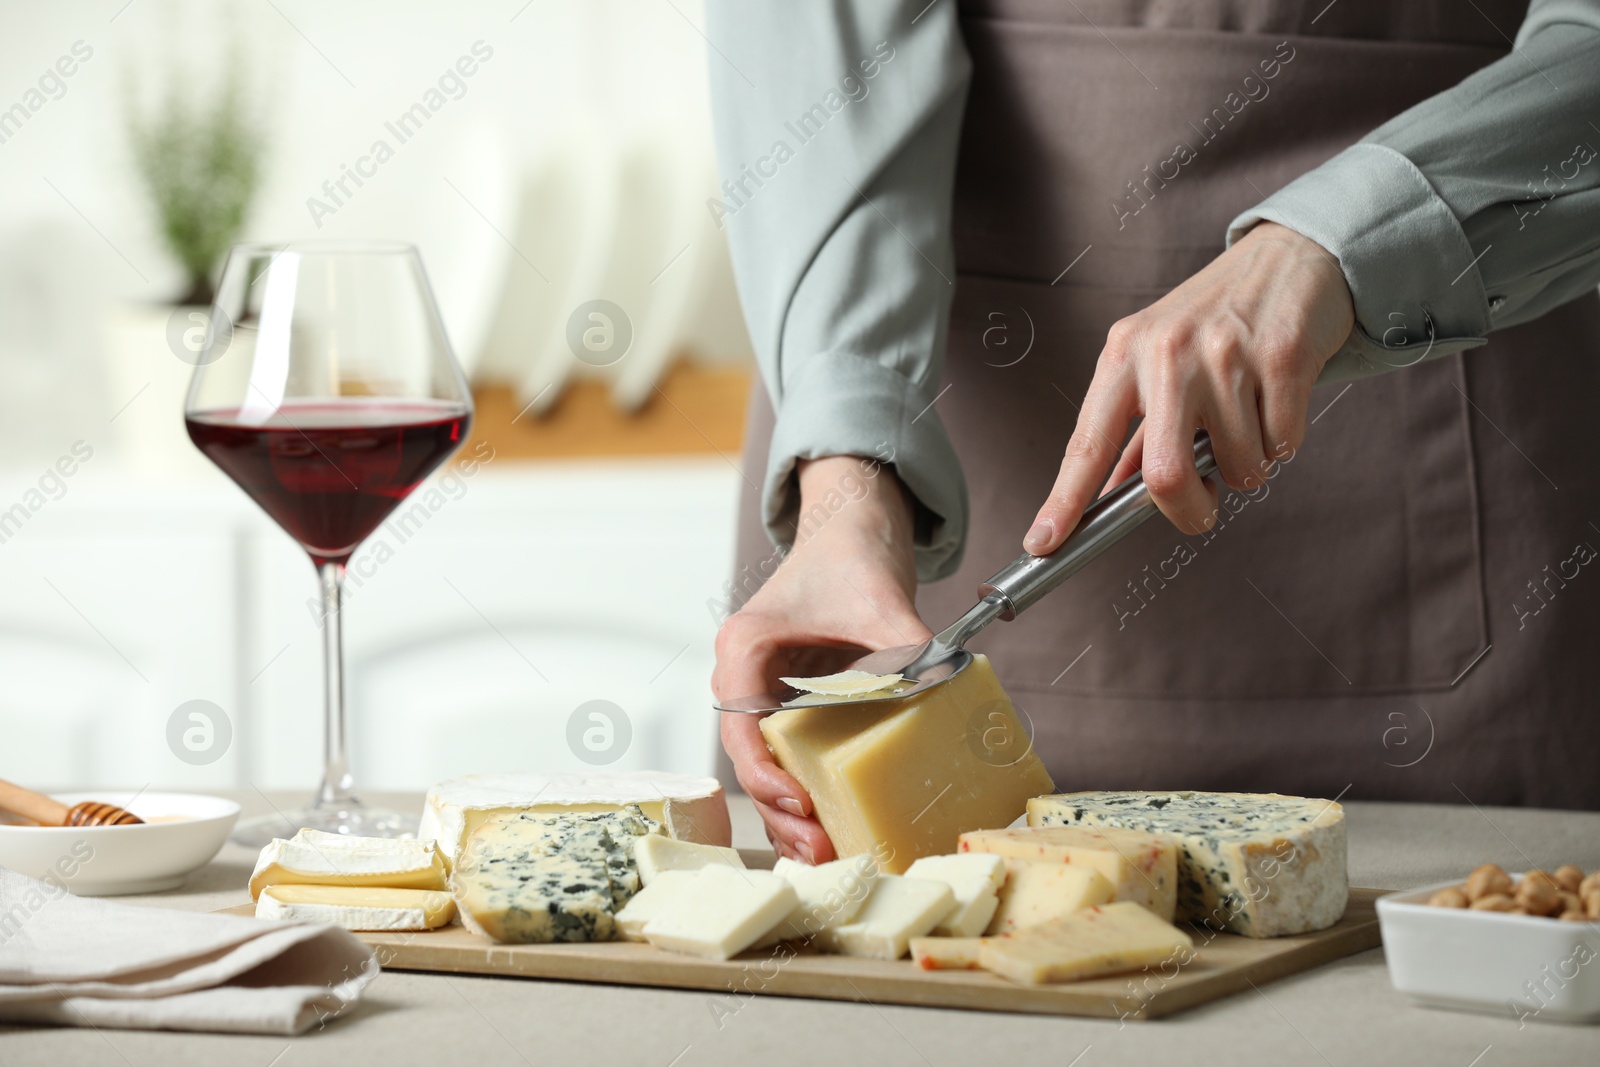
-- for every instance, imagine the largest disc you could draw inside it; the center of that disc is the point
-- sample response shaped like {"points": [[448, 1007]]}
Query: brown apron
{"points": [[1406, 611]]}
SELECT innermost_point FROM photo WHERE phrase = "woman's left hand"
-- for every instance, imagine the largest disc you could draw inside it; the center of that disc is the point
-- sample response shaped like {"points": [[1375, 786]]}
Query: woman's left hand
{"points": [[1234, 351]]}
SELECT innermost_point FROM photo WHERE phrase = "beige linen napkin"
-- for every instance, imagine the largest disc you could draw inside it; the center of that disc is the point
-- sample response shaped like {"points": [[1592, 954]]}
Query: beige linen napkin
{"points": [[85, 962]]}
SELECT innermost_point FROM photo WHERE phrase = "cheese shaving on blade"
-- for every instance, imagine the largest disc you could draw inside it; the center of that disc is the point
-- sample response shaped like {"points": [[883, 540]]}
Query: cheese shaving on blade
{"points": [[846, 684]]}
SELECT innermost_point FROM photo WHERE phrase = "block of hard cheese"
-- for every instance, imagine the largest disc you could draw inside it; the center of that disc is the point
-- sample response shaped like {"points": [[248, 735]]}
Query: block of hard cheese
{"points": [[905, 778], [357, 907], [1111, 939], [1141, 867], [1258, 864], [687, 807], [1038, 892], [314, 857]]}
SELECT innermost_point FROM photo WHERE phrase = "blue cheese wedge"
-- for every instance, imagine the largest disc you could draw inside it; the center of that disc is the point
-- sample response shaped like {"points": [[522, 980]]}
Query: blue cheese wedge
{"points": [[1257, 864], [539, 878], [687, 807]]}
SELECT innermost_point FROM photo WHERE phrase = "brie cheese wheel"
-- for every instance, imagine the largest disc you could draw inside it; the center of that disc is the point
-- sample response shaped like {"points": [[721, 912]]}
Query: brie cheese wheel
{"points": [[357, 907], [690, 808], [313, 857]]}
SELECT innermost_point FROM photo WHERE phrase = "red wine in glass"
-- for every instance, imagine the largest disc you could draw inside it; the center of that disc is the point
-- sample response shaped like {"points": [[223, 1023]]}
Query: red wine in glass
{"points": [[330, 471], [327, 389]]}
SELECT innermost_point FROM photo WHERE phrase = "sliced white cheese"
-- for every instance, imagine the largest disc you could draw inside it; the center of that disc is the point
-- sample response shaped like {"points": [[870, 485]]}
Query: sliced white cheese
{"points": [[896, 910], [845, 683], [975, 879], [661, 893], [689, 808], [724, 912], [313, 857], [357, 907], [656, 855], [830, 894]]}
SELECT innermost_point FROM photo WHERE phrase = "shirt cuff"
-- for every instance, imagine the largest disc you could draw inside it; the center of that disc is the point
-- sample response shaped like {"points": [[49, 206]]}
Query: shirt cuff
{"points": [[845, 405], [1413, 275]]}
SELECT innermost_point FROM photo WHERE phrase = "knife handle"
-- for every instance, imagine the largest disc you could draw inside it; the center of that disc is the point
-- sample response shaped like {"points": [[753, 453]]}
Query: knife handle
{"points": [[1022, 582]]}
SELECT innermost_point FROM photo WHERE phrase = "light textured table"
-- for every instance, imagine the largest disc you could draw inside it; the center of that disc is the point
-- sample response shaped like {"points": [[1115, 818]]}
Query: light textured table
{"points": [[1345, 1013]]}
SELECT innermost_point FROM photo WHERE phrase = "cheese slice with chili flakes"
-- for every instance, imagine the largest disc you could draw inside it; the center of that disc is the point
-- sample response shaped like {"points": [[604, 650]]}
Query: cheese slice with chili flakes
{"points": [[1111, 939], [1141, 866]]}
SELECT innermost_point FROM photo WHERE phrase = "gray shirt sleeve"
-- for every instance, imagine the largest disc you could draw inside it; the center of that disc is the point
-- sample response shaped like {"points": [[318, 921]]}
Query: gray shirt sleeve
{"points": [[837, 127], [1477, 209]]}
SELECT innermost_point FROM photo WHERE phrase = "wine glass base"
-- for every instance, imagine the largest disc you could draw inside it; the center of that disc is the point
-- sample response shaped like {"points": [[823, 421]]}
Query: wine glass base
{"points": [[351, 818]]}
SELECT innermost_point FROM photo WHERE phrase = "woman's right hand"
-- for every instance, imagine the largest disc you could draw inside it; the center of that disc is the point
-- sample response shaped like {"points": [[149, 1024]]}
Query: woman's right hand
{"points": [[847, 588]]}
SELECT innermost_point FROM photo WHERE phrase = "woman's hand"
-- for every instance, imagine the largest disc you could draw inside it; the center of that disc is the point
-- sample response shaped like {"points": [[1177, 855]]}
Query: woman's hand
{"points": [[1234, 350], [846, 589]]}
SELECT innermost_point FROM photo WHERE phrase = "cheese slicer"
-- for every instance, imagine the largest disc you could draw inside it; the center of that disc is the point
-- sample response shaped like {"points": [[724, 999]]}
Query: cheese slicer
{"points": [[1009, 592], [47, 811]]}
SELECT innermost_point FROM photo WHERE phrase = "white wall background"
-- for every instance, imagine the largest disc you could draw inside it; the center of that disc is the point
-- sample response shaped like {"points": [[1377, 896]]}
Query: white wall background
{"points": [[576, 165]]}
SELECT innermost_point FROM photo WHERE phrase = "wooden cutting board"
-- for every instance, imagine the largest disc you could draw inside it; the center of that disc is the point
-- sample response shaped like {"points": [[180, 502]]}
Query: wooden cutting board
{"points": [[1225, 964]]}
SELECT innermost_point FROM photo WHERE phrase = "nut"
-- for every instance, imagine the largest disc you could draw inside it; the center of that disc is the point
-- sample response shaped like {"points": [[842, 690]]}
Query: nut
{"points": [[1488, 880], [1590, 884], [1573, 916], [1452, 897], [1538, 893], [1569, 877], [1494, 902], [1591, 903], [1570, 902]]}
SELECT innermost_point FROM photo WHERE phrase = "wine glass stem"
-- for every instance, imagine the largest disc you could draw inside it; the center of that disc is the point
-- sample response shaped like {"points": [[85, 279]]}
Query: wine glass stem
{"points": [[335, 791]]}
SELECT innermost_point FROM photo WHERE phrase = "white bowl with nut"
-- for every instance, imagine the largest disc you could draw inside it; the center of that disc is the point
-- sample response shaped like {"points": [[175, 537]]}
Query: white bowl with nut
{"points": [[1522, 945]]}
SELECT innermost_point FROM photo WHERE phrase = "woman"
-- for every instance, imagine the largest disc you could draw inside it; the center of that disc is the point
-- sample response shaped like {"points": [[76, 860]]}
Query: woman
{"points": [[1004, 230]]}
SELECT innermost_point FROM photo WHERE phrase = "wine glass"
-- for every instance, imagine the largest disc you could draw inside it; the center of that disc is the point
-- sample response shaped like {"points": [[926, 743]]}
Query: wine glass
{"points": [[327, 390]]}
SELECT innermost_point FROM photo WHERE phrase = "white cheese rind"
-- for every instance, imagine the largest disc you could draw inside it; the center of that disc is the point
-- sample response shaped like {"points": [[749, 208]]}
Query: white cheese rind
{"points": [[689, 807], [724, 912], [1257, 864], [314, 857]]}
